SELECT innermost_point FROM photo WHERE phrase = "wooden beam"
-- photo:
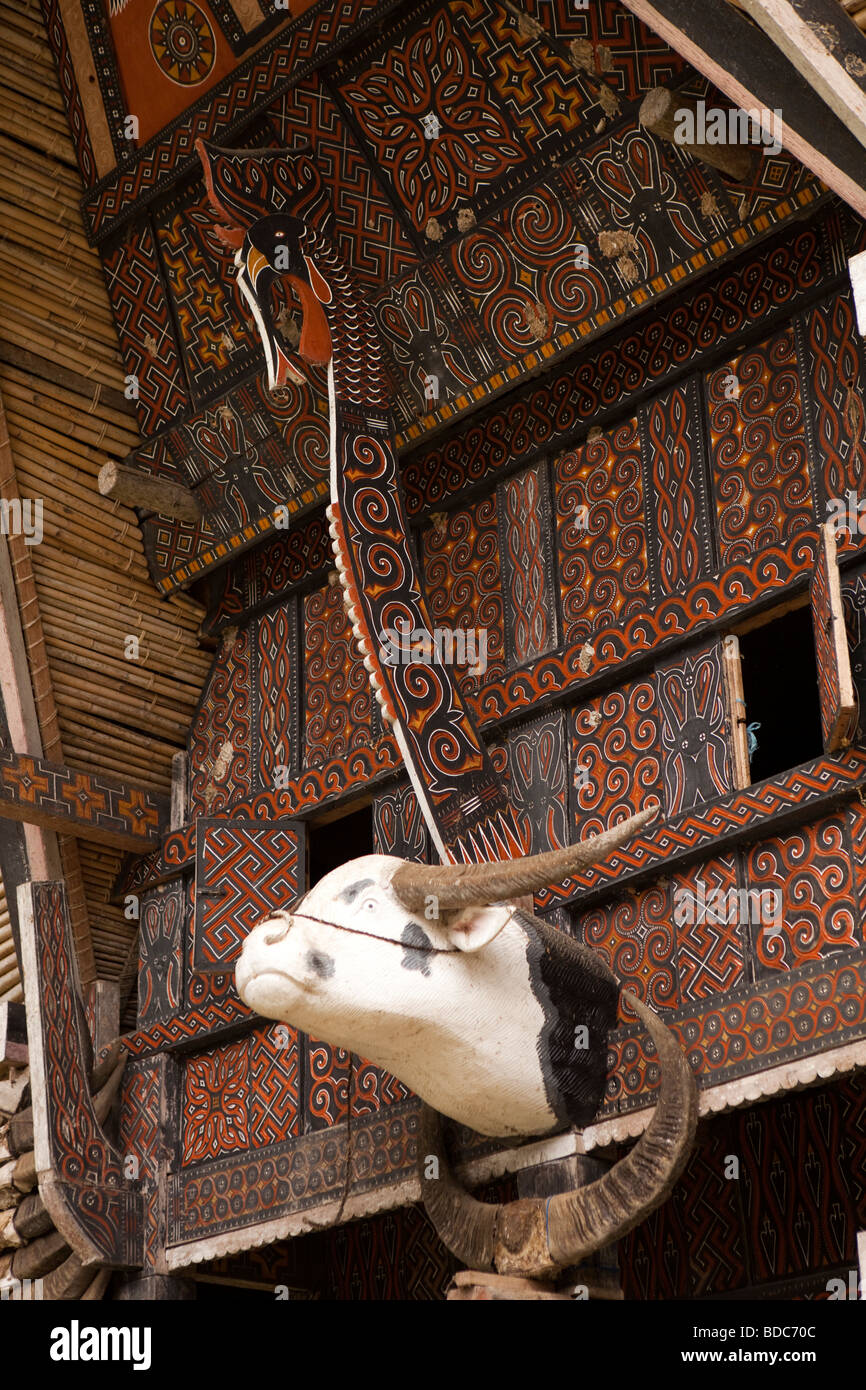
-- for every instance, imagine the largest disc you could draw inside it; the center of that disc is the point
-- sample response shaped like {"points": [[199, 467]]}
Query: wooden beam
{"points": [[73, 802], [738, 58], [658, 114], [827, 51], [150, 493]]}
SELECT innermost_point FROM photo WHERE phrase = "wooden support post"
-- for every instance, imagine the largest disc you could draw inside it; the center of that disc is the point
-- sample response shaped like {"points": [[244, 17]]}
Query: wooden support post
{"points": [[177, 813], [154, 1288], [106, 1013], [148, 492], [660, 114]]}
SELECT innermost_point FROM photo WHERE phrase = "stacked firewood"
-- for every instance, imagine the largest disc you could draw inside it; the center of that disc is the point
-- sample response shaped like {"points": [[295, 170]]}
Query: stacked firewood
{"points": [[36, 1261]]}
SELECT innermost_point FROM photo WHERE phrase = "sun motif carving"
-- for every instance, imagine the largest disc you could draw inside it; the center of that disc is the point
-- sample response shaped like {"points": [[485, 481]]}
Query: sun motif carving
{"points": [[182, 42]]}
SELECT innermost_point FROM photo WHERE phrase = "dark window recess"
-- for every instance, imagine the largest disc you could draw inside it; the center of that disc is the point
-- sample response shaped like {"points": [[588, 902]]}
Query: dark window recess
{"points": [[780, 684], [339, 841]]}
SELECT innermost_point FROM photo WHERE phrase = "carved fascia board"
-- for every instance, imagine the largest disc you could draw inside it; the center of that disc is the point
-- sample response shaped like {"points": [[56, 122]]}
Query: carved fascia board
{"points": [[80, 1172]]}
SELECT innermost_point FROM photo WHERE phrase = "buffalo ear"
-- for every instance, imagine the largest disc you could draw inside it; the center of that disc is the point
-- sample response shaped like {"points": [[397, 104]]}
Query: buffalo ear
{"points": [[473, 927]]}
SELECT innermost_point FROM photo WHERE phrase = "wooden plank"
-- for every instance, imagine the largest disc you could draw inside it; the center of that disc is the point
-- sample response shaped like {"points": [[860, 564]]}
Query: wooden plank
{"points": [[732, 671], [745, 64], [835, 681], [824, 49], [13, 1035], [73, 802]]}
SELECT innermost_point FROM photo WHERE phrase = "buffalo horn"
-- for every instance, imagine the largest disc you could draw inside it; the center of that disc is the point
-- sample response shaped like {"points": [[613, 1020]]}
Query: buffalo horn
{"points": [[536, 1237], [464, 885]]}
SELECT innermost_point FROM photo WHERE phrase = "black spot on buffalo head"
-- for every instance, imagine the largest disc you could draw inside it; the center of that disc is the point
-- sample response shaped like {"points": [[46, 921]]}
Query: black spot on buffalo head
{"points": [[320, 964], [416, 945]]}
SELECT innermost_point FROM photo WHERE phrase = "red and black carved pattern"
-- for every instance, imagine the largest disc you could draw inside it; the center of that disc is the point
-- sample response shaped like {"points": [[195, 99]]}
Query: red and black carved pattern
{"points": [[218, 339], [631, 187], [522, 272], [338, 705], [716, 826], [286, 58], [160, 961], [615, 740], [546, 97], [526, 529], [274, 1085], [537, 763], [758, 448], [216, 1087], [278, 565], [431, 70], [367, 233], [220, 743], [138, 1135], [756, 1026], [105, 1209], [398, 825], [326, 1085], [854, 605], [306, 1171], [429, 332], [211, 999], [762, 284], [630, 55], [798, 1213], [834, 368], [793, 1207], [69, 87], [140, 305], [374, 1089], [603, 571], [634, 935], [856, 816], [463, 581], [696, 757], [810, 871], [244, 871], [711, 950], [679, 530], [277, 700]]}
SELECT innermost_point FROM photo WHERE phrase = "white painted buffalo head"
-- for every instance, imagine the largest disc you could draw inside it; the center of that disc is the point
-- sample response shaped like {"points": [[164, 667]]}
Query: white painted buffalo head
{"points": [[488, 1014]]}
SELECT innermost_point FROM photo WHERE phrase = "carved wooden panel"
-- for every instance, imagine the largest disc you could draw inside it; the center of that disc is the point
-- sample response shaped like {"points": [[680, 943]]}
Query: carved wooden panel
{"points": [[835, 683], [525, 522], [243, 872], [697, 761]]}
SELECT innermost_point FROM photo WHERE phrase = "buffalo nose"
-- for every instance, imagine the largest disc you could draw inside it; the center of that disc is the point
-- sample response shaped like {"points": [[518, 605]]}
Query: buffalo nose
{"points": [[274, 931]]}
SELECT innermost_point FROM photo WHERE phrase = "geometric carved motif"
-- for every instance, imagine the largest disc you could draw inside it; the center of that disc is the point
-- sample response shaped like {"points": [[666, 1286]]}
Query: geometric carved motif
{"points": [[219, 741], [537, 779], [275, 634], [147, 342], [160, 967], [697, 762], [710, 948], [603, 564], [367, 233], [615, 742], [139, 1114], [795, 1210], [326, 1085], [758, 447], [635, 936], [811, 869], [244, 871], [338, 709], [215, 1102], [274, 1080], [835, 373], [398, 826], [525, 520], [431, 71], [462, 582], [679, 529]]}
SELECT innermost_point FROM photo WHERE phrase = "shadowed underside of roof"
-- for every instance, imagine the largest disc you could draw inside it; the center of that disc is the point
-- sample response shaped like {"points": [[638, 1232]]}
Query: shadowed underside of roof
{"points": [[85, 588]]}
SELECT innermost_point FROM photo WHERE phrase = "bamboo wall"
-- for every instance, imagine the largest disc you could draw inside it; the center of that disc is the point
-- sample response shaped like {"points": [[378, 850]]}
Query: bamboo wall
{"points": [[85, 587]]}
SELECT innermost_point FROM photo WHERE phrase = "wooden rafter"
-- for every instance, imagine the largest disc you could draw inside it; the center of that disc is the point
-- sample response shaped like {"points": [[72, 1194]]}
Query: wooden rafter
{"points": [[743, 62], [73, 802]]}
